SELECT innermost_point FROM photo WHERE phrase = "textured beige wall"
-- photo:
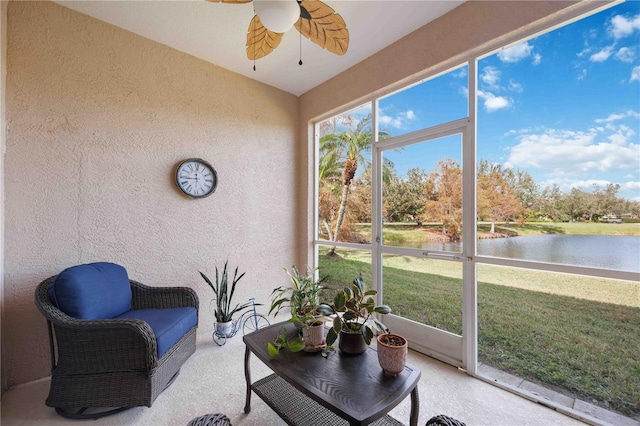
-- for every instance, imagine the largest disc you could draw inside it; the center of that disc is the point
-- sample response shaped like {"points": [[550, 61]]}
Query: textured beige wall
{"points": [[97, 119]]}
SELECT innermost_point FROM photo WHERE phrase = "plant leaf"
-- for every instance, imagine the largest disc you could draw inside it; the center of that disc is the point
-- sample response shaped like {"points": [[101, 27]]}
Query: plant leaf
{"points": [[296, 345], [331, 336], [367, 333], [325, 309], [382, 309], [272, 350], [337, 324]]}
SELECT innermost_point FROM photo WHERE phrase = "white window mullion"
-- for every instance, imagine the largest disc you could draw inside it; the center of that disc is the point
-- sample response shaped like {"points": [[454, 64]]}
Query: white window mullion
{"points": [[376, 206], [469, 234]]}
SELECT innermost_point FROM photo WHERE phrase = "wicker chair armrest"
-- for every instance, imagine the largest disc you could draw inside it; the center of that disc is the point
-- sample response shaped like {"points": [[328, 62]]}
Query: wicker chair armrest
{"points": [[105, 345], [146, 297]]}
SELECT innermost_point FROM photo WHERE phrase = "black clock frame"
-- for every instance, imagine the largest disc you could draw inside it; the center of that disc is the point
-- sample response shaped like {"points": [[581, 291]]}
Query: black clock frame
{"points": [[206, 164]]}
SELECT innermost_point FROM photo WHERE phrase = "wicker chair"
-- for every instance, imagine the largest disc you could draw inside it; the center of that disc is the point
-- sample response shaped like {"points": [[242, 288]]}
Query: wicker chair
{"points": [[103, 366]]}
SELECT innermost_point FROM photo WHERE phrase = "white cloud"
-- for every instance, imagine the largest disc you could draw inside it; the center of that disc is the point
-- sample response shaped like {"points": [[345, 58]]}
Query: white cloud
{"points": [[631, 185], [461, 73], [491, 77], [464, 91], [602, 55], [621, 26], [626, 54], [584, 52], [537, 58], [582, 74], [619, 116], [399, 121], [565, 155], [516, 53], [635, 73], [515, 86], [492, 102]]}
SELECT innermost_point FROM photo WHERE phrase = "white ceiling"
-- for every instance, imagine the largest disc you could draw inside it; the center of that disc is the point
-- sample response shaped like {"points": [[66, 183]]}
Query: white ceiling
{"points": [[216, 32]]}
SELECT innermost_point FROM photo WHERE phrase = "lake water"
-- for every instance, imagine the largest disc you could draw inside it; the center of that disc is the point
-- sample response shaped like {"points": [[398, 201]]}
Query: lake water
{"points": [[615, 252]]}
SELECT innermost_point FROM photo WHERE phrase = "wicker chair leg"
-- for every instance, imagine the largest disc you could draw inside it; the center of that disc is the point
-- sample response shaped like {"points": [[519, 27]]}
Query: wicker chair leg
{"points": [[80, 413]]}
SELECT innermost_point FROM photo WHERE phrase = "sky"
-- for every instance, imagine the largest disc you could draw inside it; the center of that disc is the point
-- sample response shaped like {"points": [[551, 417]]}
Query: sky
{"points": [[563, 106]]}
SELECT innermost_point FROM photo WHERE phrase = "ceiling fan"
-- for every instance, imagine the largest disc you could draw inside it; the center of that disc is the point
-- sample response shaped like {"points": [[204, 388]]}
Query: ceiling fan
{"points": [[312, 18]]}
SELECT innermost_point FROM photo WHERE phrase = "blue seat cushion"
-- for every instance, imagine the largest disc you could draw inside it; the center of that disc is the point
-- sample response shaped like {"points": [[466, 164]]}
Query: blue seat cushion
{"points": [[92, 291], [168, 324]]}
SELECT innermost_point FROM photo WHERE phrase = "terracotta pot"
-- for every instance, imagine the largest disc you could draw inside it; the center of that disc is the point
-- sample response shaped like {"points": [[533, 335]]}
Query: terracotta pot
{"points": [[392, 358], [313, 334], [352, 343]]}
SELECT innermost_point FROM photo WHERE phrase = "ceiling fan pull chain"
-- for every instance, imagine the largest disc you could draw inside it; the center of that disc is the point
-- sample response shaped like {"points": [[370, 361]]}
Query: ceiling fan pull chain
{"points": [[254, 42], [300, 63]]}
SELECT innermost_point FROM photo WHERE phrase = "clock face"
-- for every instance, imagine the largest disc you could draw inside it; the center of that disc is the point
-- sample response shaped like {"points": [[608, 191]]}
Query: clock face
{"points": [[196, 178]]}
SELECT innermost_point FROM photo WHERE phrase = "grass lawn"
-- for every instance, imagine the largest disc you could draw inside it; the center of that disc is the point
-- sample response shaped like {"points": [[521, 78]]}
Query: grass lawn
{"points": [[587, 348]]}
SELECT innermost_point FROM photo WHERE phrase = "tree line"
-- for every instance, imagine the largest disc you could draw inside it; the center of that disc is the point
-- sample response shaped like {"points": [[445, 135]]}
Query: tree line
{"points": [[503, 194]]}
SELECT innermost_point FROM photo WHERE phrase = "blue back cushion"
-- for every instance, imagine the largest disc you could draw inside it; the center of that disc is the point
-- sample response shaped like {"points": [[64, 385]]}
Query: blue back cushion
{"points": [[92, 291]]}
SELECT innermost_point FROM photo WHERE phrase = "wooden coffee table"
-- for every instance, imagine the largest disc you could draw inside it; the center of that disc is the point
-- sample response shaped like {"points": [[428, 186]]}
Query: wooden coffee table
{"points": [[307, 389]]}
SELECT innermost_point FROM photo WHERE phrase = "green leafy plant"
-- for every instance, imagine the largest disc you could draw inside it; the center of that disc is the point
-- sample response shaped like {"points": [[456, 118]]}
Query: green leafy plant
{"points": [[280, 342], [224, 294], [302, 297], [356, 306]]}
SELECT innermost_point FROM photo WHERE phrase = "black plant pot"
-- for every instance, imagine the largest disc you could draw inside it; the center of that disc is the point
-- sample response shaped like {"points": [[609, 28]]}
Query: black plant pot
{"points": [[352, 343]]}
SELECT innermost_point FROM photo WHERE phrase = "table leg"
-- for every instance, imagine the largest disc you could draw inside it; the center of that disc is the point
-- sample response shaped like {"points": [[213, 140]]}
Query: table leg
{"points": [[247, 377], [415, 407]]}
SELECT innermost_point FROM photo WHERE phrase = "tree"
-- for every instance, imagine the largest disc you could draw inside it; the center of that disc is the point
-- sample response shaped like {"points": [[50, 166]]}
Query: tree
{"points": [[549, 204], [443, 191], [577, 204], [404, 198], [523, 185], [496, 199], [606, 201]]}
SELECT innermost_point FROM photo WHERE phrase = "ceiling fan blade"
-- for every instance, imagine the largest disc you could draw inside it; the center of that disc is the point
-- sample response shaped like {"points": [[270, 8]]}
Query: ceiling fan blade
{"points": [[230, 1], [261, 41], [323, 26]]}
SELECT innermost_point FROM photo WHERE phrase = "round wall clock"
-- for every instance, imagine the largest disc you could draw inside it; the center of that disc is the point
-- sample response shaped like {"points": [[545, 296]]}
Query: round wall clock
{"points": [[196, 178]]}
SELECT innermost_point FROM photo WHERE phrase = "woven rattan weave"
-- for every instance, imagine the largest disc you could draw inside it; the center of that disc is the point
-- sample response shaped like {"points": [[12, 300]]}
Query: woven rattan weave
{"points": [[442, 420], [297, 409], [210, 420], [112, 362]]}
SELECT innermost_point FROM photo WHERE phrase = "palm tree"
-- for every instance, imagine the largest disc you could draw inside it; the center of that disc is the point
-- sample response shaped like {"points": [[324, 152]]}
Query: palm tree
{"points": [[346, 149]]}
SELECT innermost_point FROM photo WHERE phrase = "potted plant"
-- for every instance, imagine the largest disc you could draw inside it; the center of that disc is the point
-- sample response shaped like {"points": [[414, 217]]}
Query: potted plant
{"points": [[223, 299], [355, 322], [302, 297], [392, 353]]}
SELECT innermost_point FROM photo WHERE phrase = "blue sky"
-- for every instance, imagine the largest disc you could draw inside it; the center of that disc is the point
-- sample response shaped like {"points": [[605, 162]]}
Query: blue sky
{"points": [[564, 106]]}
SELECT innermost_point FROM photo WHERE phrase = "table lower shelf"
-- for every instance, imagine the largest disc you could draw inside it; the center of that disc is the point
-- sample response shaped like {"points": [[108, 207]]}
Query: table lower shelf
{"points": [[297, 409]]}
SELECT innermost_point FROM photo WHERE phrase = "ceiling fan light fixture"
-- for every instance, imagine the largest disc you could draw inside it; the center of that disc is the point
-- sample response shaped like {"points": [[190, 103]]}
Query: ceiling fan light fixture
{"points": [[277, 15]]}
